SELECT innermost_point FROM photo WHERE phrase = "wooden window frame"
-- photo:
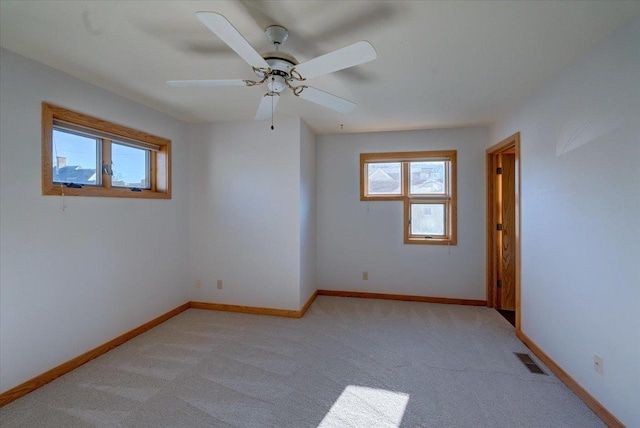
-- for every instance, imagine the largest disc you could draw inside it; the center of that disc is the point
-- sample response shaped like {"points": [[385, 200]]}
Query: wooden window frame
{"points": [[160, 162], [449, 199]]}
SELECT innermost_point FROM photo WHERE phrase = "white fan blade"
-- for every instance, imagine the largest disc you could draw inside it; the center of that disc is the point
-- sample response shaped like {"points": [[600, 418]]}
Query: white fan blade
{"points": [[266, 108], [327, 100], [352, 55], [205, 83], [222, 28]]}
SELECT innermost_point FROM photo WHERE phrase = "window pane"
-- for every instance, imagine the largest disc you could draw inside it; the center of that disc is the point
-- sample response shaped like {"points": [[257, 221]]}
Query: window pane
{"points": [[75, 158], [130, 166], [427, 178], [384, 178], [428, 219]]}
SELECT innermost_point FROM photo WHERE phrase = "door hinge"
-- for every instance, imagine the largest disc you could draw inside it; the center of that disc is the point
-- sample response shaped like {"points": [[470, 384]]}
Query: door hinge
{"points": [[498, 171], [499, 283], [499, 226]]}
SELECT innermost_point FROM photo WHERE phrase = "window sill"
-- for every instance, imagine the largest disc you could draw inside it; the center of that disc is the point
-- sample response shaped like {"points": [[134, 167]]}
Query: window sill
{"points": [[382, 198], [430, 241], [56, 190]]}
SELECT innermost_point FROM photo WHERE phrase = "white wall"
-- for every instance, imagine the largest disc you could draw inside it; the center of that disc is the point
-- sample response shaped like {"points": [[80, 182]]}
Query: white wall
{"points": [[307, 213], [580, 140], [355, 236], [245, 213], [72, 280]]}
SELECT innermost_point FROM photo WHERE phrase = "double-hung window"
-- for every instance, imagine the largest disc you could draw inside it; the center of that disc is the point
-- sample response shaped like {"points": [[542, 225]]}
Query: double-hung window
{"points": [[86, 156], [426, 184]]}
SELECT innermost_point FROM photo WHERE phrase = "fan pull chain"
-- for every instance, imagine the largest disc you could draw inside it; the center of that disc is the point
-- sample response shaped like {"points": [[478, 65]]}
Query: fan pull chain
{"points": [[272, 80], [62, 205]]}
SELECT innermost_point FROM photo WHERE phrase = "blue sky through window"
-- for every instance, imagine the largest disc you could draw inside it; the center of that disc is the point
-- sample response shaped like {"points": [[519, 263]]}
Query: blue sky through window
{"points": [[129, 163], [77, 150]]}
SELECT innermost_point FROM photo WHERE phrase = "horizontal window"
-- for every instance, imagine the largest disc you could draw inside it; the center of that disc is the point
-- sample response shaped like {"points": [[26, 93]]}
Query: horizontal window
{"points": [[427, 219], [130, 166], [384, 178], [75, 158], [424, 181], [86, 156], [427, 178]]}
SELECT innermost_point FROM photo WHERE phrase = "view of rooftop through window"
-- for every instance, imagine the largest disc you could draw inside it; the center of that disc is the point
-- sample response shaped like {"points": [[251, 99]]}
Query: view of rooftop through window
{"points": [[427, 178], [76, 159], [384, 178]]}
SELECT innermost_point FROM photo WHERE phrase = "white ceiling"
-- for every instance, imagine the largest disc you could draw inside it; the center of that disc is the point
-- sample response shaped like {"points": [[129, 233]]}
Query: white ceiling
{"points": [[440, 64]]}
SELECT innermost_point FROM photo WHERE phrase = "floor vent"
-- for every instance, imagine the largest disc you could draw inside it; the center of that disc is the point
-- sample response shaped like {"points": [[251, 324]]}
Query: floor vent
{"points": [[529, 363]]}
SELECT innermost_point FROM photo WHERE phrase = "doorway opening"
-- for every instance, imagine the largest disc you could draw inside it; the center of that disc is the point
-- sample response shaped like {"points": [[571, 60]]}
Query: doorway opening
{"points": [[503, 228]]}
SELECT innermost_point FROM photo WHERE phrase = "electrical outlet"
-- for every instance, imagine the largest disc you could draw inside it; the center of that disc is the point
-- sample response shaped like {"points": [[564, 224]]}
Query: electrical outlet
{"points": [[219, 284], [597, 363], [365, 276], [198, 283]]}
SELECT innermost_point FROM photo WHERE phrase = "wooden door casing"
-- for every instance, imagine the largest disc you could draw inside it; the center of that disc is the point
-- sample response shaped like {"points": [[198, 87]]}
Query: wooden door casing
{"points": [[494, 154]]}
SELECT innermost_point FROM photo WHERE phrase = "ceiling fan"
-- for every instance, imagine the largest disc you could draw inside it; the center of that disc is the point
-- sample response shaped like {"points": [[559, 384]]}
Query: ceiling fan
{"points": [[280, 70]]}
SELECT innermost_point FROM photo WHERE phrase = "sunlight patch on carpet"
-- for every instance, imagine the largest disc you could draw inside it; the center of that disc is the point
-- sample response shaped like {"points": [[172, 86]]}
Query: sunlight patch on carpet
{"points": [[360, 406]]}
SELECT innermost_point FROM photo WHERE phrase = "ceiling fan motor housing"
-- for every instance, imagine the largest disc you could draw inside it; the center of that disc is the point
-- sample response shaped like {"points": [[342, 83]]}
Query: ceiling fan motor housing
{"points": [[280, 64], [280, 61]]}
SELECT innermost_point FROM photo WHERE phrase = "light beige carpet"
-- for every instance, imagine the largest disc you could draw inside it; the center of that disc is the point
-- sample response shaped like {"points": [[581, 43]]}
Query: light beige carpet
{"points": [[347, 363]]}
